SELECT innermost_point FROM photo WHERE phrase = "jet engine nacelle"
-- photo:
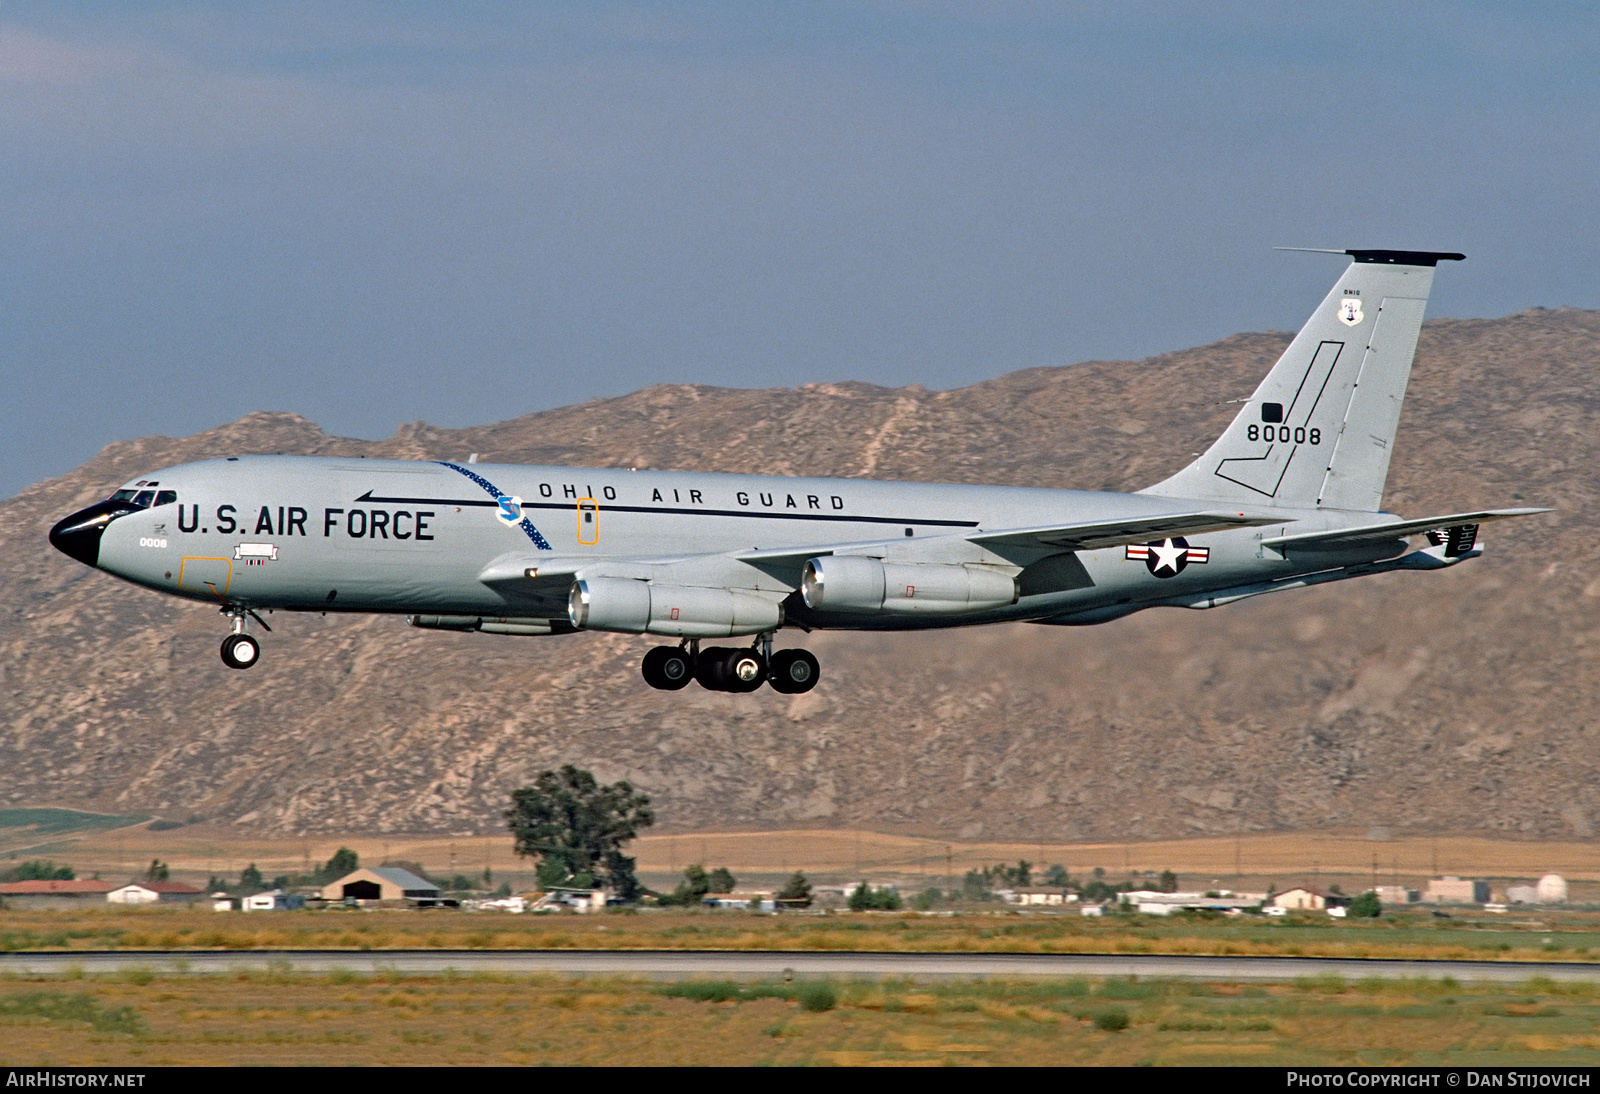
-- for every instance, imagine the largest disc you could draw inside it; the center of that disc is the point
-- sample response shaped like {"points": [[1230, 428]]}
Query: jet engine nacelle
{"points": [[639, 607], [850, 583]]}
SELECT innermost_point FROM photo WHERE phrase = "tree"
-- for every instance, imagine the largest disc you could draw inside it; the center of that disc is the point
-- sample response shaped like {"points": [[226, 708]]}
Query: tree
{"points": [[158, 871], [796, 893], [1057, 876], [867, 899], [250, 880], [1099, 892], [1168, 882], [1366, 906], [577, 827], [696, 883], [44, 870], [722, 880], [344, 861]]}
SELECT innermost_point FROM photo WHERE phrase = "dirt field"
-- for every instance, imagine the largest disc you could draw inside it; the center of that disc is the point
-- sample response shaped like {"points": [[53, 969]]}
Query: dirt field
{"points": [[142, 1018]]}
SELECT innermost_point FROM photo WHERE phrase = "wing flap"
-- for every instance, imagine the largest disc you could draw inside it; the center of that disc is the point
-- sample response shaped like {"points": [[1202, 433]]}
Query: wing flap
{"points": [[1094, 535], [1367, 533]]}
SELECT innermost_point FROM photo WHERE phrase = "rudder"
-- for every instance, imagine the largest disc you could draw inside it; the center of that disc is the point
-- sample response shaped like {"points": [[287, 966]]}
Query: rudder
{"points": [[1319, 430]]}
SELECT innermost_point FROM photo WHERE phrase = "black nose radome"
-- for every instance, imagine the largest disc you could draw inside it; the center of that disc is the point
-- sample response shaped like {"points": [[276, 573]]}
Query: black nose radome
{"points": [[79, 535]]}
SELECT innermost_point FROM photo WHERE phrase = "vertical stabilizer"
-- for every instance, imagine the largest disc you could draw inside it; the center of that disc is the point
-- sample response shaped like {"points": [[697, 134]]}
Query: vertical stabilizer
{"points": [[1319, 430]]}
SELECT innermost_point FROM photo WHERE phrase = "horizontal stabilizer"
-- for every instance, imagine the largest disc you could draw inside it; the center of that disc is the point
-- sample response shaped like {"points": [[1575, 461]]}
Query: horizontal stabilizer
{"points": [[1094, 535], [1369, 533]]}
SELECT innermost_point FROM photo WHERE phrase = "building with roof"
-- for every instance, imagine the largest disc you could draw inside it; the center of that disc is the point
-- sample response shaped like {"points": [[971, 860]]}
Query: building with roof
{"points": [[389, 883], [1454, 890], [1041, 897], [155, 892], [54, 892], [1303, 898], [274, 901], [1156, 903]]}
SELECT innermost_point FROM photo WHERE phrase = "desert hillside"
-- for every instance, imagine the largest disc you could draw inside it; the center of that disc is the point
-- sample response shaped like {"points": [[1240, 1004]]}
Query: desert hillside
{"points": [[1456, 701]]}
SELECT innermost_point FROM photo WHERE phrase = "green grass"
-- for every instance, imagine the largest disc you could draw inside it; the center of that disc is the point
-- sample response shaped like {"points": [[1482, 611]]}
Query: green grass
{"points": [[56, 822], [55, 1006]]}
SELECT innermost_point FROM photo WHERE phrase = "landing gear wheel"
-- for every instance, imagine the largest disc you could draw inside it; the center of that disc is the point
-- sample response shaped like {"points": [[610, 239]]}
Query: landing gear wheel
{"points": [[745, 670], [668, 668], [710, 668], [793, 671], [240, 651]]}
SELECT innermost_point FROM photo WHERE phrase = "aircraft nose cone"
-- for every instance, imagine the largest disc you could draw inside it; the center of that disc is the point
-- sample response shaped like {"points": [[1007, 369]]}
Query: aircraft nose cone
{"points": [[78, 536]]}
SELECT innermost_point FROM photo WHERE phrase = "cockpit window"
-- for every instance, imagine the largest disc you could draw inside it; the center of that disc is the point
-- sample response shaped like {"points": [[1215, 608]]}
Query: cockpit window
{"points": [[144, 499]]}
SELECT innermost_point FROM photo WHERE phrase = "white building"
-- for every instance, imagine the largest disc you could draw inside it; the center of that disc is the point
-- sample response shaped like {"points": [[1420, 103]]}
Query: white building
{"points": [[275, 901], [153, 892], [1552, 889]]}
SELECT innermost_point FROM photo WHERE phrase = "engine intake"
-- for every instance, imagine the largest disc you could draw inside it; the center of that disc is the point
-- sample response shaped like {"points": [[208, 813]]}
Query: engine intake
{"points": [[630, 606], [851, 583]]}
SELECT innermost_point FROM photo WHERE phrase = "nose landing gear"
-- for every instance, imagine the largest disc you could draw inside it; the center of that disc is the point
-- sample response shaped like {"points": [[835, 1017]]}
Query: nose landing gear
{"points": [[240, 650], [719, 668]]}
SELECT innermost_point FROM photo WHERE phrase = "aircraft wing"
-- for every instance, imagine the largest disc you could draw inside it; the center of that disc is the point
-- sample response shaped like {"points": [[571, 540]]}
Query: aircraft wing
{"points": [[541, 584], [1367, 533], [531, 576], [1093, 535]]}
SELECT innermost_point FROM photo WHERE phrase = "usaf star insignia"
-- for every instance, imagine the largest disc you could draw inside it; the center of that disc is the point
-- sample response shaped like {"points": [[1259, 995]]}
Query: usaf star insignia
{"points": [[1167, 557]]}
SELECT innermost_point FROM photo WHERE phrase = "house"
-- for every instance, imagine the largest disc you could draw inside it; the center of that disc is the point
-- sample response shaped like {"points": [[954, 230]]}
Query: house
{"points": [[388, 883], [1154, 903], [1454, 890], [1040, 898], [1304, 899], [1396, 894], [275, 901], [750, 902], [154, 892]]}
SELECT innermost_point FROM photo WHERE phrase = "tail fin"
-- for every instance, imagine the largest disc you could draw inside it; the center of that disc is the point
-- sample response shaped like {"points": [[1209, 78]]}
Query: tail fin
{"points": [[1319, 430]]}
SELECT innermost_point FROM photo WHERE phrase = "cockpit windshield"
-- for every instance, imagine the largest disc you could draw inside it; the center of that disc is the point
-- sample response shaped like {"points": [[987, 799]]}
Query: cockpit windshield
{"points": [[144, 499]]}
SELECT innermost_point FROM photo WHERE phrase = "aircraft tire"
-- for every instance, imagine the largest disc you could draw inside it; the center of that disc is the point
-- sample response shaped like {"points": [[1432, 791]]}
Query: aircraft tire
{"points": [[745, 671], [711, 668], [668, 668], [793, 671], [240, 651]]}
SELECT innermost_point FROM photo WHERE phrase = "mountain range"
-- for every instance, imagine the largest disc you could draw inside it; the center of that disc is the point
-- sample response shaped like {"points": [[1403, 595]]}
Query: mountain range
{"points": [[1457, 701]]}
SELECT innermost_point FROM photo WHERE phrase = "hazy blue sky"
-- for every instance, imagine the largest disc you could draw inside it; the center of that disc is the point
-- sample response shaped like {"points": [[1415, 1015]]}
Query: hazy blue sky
{"points": [[373, 213]]}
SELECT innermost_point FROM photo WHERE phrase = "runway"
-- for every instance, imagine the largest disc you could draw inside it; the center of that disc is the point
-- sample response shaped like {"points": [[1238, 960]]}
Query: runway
{"points": [[767, 964]]}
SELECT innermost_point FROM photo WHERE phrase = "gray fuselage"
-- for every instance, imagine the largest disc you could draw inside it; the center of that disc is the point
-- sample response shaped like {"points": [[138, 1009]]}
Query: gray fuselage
{"points": [[356, 535]]}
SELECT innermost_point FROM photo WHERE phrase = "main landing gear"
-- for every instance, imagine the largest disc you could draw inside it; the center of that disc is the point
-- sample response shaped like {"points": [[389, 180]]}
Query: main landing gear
{"points": [[719, 668], [240, 650]]}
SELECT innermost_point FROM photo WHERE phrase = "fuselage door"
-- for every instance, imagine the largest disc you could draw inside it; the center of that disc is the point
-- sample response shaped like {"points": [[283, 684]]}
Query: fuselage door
{"points": [[207, 576], [588, 522]]}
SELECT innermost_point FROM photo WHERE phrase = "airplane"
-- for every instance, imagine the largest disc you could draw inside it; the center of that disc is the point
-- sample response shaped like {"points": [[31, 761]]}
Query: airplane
{"points": [[1287, 497]]}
